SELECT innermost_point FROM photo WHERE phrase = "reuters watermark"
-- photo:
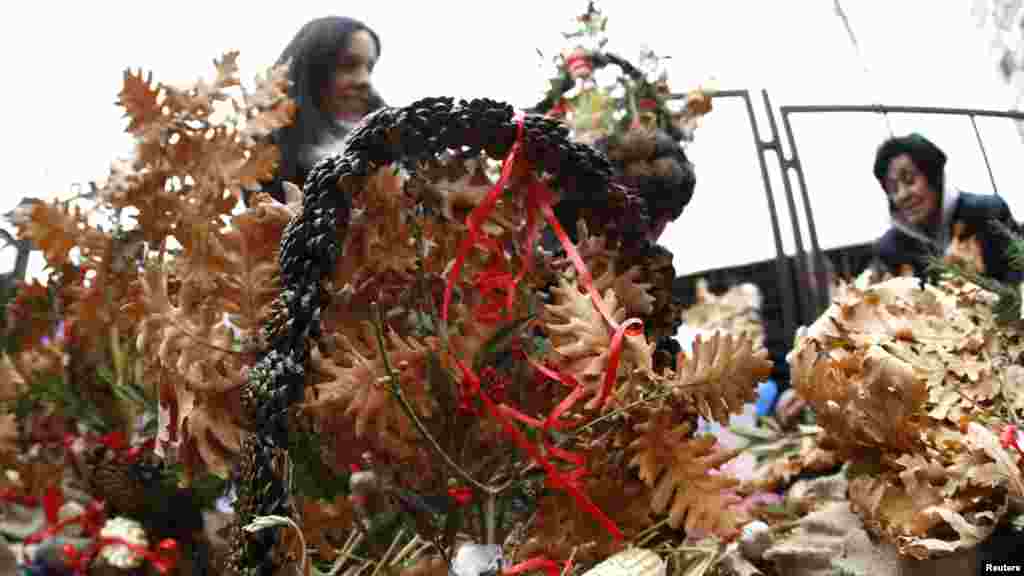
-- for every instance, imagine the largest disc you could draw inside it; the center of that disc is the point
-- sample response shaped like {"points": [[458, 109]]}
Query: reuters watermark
{"points": [[1001, 568]]}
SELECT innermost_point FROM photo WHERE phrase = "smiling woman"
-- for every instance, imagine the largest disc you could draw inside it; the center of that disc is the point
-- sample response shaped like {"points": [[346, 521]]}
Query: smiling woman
{"points": [[330, 60], [932, 218]]}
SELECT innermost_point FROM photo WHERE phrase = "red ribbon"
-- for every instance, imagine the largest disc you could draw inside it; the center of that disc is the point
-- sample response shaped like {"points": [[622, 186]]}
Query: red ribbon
{"points": [[555, 477], [647, 104], [494, 279], [1008, 438], [12, 496], [477, 218], [93, 517], [52, 502], [91, 520], [115, 441], [550, 567], [163, 559]]}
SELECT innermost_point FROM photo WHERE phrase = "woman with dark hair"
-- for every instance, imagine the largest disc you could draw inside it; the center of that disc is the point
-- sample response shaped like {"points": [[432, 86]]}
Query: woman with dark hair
{"points": [[929, 215], [330, 61]]}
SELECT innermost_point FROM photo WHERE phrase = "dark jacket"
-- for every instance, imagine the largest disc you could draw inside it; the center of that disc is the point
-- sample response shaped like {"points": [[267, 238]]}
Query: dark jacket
{"points": [[899, 246]]}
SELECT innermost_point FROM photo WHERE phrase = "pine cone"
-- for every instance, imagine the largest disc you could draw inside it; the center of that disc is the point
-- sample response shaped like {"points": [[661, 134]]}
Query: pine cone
{"points": [[116, 482]]}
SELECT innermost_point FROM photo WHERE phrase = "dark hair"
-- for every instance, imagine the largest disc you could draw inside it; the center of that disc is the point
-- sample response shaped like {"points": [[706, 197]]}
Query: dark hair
{"points": [[312, 56], [926, 156]]}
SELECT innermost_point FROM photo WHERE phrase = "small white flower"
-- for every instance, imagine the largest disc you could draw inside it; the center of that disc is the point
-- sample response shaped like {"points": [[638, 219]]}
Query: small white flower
{"points": [[119, 555]]}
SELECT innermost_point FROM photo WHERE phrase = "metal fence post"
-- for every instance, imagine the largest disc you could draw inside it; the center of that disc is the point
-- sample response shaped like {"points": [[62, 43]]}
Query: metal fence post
{"points": [[784, 279]]}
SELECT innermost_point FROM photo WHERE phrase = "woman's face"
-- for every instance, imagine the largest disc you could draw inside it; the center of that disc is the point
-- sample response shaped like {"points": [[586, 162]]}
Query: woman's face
{"points": [[912, 197], [349, 96]]}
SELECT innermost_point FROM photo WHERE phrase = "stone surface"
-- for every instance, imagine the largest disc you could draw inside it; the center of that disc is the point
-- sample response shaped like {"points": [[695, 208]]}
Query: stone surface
{"points": [[830, 539]]}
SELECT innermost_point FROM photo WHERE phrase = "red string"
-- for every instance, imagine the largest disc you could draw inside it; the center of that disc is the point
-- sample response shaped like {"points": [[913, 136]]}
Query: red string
{"points": [[476, 219], [495, 279], [1008, 438], [555, 477], [94, 516], [164, 558], [550, 567]]}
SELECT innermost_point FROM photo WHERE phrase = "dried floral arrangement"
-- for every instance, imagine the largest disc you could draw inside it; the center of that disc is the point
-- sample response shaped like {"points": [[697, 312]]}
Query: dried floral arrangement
{"points": [[919, 388], [123, 371], [627, 117], [637, 98], [397, 312], [539, 361]]}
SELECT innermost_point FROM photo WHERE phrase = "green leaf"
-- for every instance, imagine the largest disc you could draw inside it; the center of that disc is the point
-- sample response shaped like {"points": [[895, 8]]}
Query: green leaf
{"points": [[1017, 523], [105, 375], [754, 434], [264, 522], [540, 346], [452, 525], [312, 477], [207, 489]]}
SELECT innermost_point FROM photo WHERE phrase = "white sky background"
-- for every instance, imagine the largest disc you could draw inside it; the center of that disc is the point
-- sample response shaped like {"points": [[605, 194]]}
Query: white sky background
{"points": [[65, 63]]}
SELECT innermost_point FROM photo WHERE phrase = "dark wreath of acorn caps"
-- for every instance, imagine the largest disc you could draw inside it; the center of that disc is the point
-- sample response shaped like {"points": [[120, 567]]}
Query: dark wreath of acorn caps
{"points": [[313, 241]]}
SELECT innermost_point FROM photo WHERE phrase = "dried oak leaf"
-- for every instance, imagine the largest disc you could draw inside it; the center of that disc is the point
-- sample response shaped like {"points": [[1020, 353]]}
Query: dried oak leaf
{"points": [[361, 386], [457, 186], [321, 518], [681, 473], [211, 430], [889, 509], [634, 296], [608, 274], [188, 339], [981, 438], [969, 534], [582, 339], [965, 250], [778, 472], [268, 105], [254, 242], [861, 398], [140, 100], [29, 317], [380, 234], [1013, 386], [55, 229], [928, 496], [721, 376], [916, 521], [561, 527]]}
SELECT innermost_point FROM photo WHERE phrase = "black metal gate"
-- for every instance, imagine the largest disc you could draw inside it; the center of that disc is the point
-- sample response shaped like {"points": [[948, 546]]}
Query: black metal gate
{"points": [[801, 302]]}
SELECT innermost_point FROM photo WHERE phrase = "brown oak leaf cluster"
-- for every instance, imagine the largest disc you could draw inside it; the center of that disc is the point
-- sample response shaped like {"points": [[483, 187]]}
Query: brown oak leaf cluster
{"points": [[179, 273], [914, 385]]}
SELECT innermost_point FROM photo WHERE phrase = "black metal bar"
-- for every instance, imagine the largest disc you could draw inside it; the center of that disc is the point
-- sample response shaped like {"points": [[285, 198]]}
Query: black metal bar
{"points": [[820, 288], [881, 109], [785, 287], [782, 272], [984, 155], [801, 256]]}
